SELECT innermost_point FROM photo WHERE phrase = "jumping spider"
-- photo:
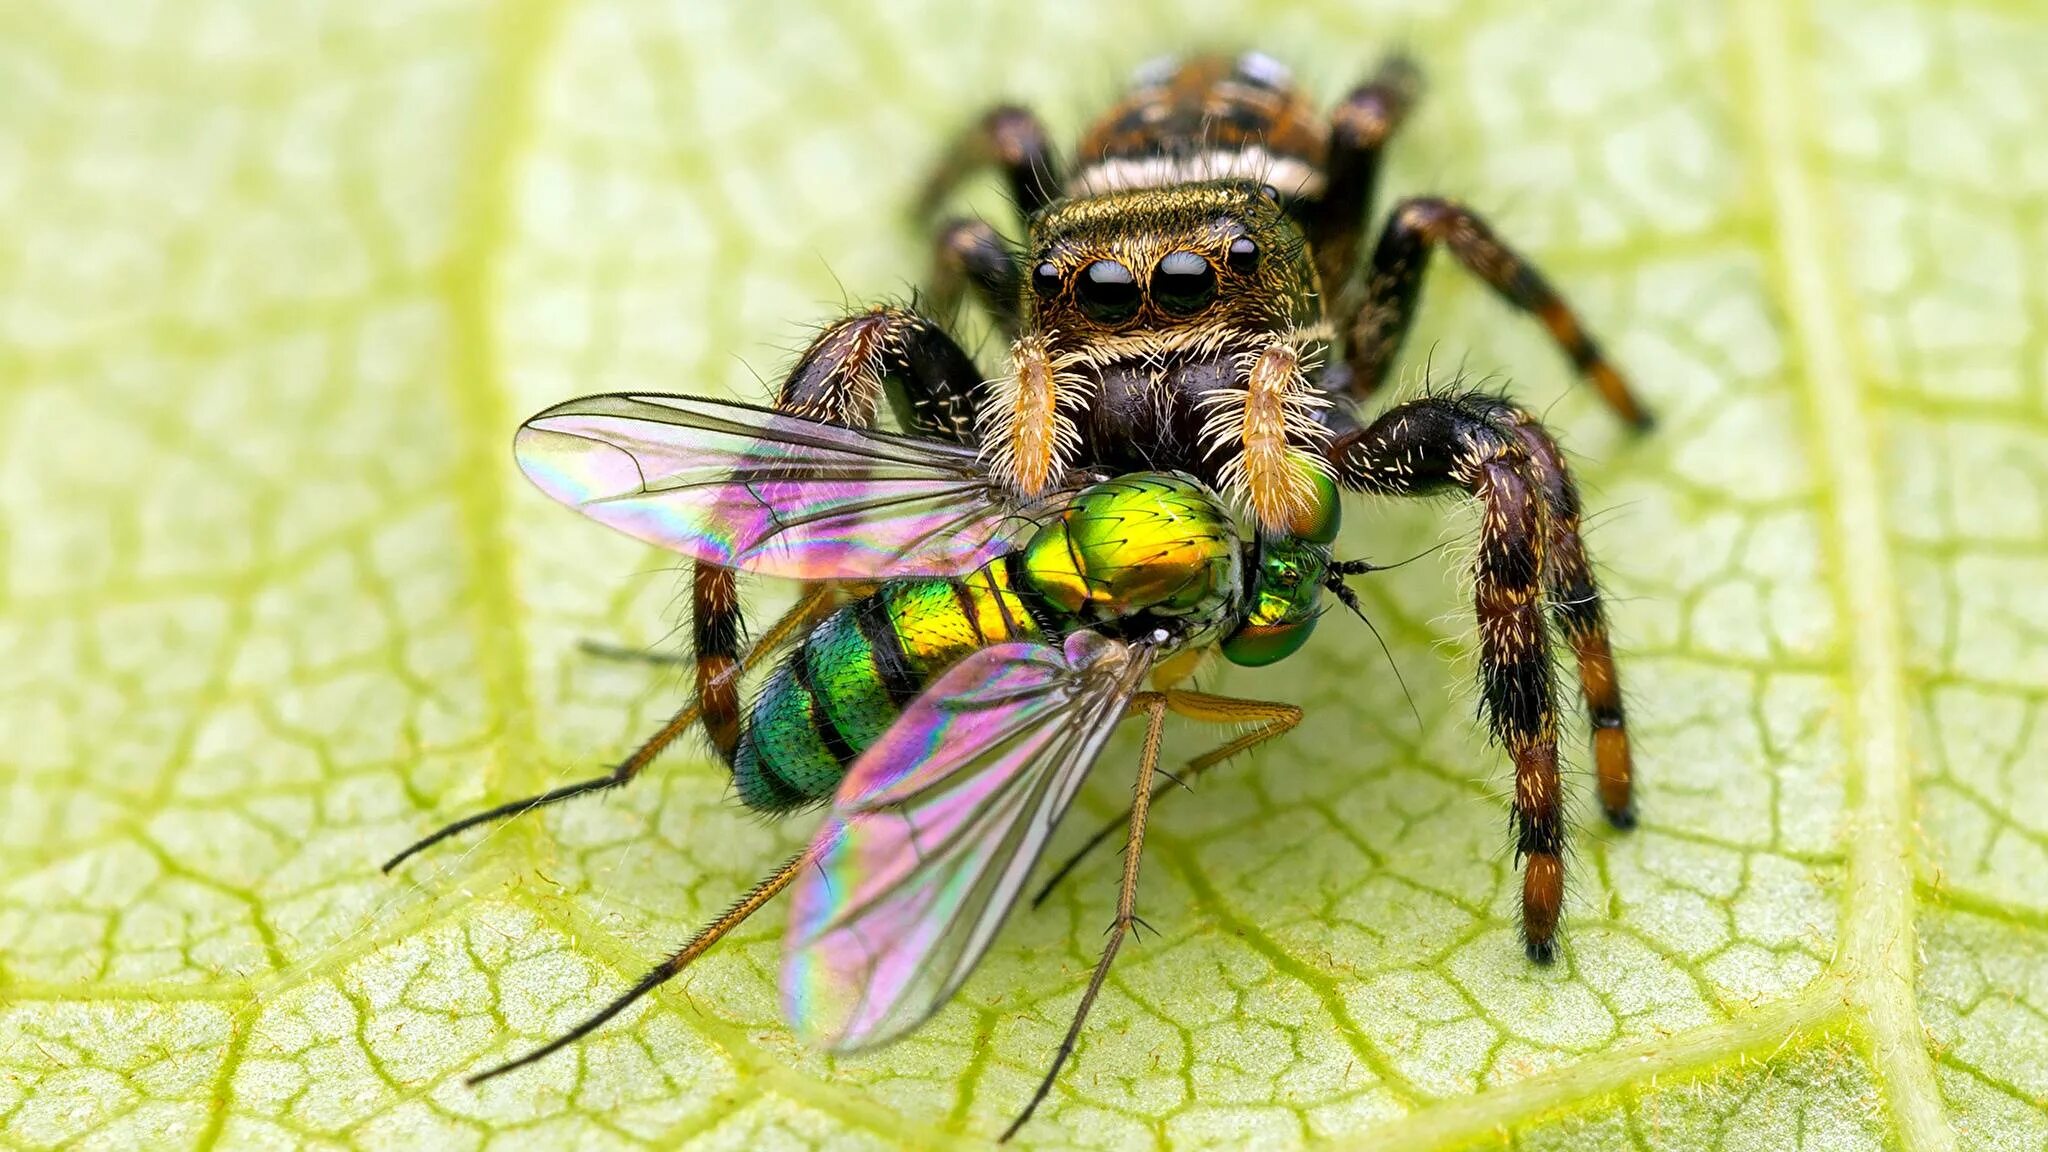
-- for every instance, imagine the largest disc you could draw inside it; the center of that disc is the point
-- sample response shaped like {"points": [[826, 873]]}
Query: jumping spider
{"points": [[1189, 296]]}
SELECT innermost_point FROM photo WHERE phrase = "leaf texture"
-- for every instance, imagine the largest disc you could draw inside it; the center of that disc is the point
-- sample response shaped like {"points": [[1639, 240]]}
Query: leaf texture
{"points": [[277, 282]]}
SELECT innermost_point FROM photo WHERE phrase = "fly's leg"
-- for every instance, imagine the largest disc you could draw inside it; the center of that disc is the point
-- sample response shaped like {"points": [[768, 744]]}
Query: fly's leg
{"points": [[971, 256], [807, 611], [667, 970], [604, 651], [1360, 127], [1455, 443], [1576, 607], [841, 378], [1154, 705], [1394, 281], [1015, 143], [1264, 720]]}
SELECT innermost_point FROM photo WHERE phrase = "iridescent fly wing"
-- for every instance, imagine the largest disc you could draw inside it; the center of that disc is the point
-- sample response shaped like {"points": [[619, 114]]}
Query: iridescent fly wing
{"points": [[936, 828], [774, 494]]}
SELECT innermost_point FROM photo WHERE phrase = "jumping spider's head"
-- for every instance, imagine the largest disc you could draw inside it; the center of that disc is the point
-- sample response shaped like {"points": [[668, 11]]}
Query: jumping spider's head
{"points": [[1155, 271], [1176, 327]]}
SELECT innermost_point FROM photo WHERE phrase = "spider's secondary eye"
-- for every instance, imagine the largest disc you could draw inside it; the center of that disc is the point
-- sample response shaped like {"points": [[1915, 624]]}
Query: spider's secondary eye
{"points": [[1244, 254], [1183, 283], [1045, 279], [1108, 291]]}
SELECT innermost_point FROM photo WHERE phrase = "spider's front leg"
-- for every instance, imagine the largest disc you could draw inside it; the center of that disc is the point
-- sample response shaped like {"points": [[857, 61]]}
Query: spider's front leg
{"points": [[841, 378], [1463, 443], [1576, 607], [1394, 282]]}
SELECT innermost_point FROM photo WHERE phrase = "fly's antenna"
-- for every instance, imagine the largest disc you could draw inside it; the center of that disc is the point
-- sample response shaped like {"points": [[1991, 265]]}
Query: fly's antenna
{"points": [[1335, 583], [1361, 567]]}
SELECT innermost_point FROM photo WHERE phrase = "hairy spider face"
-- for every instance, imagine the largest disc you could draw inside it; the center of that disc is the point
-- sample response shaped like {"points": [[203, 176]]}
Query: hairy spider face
{"points": [[1155, 271]]}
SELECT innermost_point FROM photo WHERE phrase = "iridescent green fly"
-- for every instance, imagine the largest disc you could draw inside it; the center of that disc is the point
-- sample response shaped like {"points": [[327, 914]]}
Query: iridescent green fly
{"points": [[949, 712]]}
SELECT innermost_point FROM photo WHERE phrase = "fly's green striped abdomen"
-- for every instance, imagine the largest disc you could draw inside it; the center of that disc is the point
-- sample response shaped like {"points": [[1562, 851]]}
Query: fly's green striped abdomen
{"points": [[850, 678]]}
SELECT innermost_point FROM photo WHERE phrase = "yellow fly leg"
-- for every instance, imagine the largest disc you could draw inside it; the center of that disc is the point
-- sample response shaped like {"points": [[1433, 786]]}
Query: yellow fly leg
{"points": [[1154, 706], [814, 606], [1262, 720]]}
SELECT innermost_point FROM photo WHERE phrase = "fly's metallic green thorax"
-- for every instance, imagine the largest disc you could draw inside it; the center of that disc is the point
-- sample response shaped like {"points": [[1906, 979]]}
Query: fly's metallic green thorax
{"points": [[1138, 550], [1287, 585]]}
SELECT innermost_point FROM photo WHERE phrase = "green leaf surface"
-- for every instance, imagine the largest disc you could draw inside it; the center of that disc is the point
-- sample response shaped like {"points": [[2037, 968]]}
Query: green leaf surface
{"points": [[277, 281]]}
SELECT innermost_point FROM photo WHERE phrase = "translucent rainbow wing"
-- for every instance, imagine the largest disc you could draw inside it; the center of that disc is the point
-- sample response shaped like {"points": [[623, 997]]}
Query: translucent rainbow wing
{"points": [[936, 828], [774, 494]]}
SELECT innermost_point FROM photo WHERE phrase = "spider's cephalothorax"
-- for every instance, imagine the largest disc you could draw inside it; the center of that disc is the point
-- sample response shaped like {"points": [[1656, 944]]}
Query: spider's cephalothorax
{"points": [[1191, 295]]}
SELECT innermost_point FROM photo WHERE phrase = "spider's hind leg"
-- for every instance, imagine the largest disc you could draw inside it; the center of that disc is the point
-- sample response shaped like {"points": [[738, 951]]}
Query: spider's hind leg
{"points": [[1360, 127], [1393, 285], [972, 256], [1015, 142], [969, 254]]}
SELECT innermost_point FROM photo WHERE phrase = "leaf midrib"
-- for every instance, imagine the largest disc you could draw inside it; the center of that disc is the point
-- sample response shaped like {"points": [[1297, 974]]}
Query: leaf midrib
{"points": [[1878, 950]]}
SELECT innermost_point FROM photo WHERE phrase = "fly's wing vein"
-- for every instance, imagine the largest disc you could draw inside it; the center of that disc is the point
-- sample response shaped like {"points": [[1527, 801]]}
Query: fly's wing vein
{"points": [[774, 494]]}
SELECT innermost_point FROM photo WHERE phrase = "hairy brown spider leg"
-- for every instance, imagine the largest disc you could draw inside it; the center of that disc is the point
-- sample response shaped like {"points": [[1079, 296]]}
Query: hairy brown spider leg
{"points": [[1360, 127], [667, 970], [1575, 605], [840, 378], [807, 611], [1153, 704], [972, 255], [1016, 143], [1272, 719], [1453, 442], [1394, 281]]}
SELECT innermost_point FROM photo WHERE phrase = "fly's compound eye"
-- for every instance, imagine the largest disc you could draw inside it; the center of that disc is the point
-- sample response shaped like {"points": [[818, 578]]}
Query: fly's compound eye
{"points": [[1045, 279], [1244, 255], [1183, 283], [1108, 291]]}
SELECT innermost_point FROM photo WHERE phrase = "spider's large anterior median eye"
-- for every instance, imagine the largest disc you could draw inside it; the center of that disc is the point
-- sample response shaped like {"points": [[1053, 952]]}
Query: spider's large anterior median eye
{"points": [[1107, 291], [1183, 283]]}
